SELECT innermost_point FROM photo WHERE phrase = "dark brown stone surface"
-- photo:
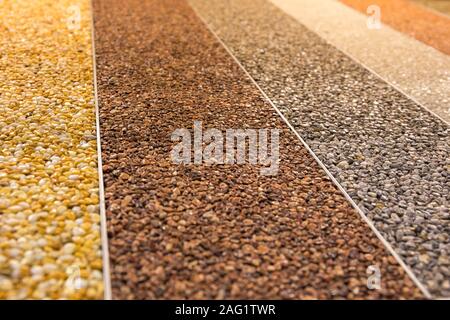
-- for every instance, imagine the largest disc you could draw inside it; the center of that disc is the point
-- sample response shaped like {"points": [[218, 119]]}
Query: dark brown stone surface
{"points": [[219, 231]]}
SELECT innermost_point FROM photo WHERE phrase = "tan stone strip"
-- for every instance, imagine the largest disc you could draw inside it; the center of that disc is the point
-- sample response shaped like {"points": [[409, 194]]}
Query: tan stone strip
{"points": [[438, 6], [418, 70], [412, 19]]}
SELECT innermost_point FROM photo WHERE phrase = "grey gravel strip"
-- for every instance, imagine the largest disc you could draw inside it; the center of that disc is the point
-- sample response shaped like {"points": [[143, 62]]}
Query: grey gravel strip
{"points": [[332, 178], [390, 155]]}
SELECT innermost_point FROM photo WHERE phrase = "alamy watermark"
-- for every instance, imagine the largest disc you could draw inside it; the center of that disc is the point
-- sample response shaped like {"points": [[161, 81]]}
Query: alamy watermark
{"points": [[374, 18], [233, 146], [374, 277], [73, 21]]}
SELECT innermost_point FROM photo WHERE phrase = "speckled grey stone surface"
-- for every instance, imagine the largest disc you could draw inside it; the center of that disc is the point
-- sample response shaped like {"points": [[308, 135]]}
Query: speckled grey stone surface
{"points": [[390, 154]]}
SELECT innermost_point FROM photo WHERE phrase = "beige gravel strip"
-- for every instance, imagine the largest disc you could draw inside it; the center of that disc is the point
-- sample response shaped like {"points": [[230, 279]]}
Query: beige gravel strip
{"points": [[418, 70], [419, 22], [438, 6]]}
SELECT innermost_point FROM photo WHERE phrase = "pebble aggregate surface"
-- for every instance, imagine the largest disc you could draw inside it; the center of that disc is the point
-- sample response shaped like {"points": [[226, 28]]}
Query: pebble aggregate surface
{"points": [[389, 154], [213, 231], [49, 219], [417, 69], [442, 6], [412, 19]]}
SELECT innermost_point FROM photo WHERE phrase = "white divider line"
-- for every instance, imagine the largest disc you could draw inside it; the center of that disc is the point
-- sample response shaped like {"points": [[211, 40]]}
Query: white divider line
{"points": [[361, 213], [103, 229], [359, 61]]}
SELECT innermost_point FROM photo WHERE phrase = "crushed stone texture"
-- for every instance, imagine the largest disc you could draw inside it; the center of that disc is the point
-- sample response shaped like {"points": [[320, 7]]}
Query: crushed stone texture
{"points": [[417, 21], [50, 245], [217, 231], [390, 155], [417, 69], [442, 6]]}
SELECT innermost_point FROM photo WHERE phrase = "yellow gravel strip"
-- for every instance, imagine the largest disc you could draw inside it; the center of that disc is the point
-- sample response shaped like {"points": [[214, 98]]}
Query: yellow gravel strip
{"points": [[50, 243]]}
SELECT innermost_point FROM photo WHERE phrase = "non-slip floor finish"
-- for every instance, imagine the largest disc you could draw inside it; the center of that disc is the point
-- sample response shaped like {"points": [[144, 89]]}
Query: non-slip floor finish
{"points": [[412, 19], [250, 149], [389, 153], [214, 231], [417, 69], [50, 244], [442, 6]]}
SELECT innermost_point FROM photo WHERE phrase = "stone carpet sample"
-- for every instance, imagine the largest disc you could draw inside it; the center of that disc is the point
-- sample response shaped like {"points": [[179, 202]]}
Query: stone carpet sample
{"points": [[49, 216], [442, 6], [417, 69], [213, 231], [414, 20], [390, 154]]}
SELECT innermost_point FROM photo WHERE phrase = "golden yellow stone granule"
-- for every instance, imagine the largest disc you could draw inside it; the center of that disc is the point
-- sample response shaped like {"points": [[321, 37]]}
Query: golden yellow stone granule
{"points": [[50, 243]]}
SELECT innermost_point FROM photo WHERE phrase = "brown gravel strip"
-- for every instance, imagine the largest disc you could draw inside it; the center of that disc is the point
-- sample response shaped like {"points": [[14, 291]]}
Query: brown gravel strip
{"points": [[219, 231], [390, 155], [415, 20]]}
